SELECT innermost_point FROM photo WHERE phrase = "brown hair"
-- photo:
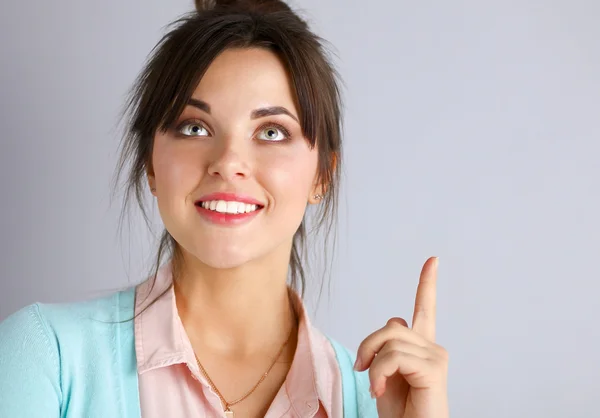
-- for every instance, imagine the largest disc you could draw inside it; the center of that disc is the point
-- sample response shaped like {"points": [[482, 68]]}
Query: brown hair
{"points": [[173, 71]]}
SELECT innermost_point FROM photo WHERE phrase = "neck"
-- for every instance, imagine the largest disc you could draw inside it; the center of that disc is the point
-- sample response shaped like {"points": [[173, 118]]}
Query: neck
{"points": [[240, 312]]}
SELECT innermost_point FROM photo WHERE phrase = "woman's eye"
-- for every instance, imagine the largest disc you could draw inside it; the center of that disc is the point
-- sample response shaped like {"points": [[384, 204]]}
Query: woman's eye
{"points": [[272, 133], [193, 129]]}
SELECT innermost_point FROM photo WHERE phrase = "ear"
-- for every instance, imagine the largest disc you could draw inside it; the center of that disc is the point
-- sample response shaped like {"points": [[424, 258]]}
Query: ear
{"points": [[321, 189], [316, 191], [151, 179]]}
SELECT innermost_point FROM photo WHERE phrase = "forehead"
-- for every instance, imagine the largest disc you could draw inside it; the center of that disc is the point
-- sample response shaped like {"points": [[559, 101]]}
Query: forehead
{"points": [[246, 79]]}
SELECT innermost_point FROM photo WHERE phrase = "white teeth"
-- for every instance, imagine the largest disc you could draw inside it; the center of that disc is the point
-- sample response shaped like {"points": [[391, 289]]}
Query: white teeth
{"points": [[223, 206], [232, 207]]}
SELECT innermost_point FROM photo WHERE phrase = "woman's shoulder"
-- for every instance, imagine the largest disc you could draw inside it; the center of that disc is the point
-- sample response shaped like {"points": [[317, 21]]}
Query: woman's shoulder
{"points": [[60, 350], [109, 308], [62, 322]]}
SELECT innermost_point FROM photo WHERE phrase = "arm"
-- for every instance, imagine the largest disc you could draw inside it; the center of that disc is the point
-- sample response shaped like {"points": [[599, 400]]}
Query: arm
{"points": [[29, 366]]}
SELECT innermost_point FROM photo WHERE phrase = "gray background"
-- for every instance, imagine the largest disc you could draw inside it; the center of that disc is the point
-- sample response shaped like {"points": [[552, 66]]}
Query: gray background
{"points": [[471, 133]]}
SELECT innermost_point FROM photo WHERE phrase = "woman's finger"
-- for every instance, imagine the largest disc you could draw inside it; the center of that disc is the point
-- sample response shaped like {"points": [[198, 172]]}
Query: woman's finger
{"points": [[395, 329], [425, 301], [405, 347], [410, 366]]}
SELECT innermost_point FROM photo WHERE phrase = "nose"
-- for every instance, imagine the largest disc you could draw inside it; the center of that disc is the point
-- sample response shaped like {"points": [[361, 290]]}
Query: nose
{"points": [[230, 160]]}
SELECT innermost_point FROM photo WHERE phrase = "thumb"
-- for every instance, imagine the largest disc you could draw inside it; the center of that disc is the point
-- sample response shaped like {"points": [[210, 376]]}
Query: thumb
{"points": [[400, 321]]}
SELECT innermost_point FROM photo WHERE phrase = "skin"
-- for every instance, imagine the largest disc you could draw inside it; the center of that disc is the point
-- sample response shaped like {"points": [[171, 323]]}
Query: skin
{"points": [[232, 294], [407, 369]]}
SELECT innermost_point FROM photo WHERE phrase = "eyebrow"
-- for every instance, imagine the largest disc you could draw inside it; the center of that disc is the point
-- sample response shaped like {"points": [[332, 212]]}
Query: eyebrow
{"points": [[255, 114]]}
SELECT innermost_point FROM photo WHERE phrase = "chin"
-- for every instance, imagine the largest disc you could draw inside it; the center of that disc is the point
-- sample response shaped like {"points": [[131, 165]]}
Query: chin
{"points": [[224, 258], [223, 263]]}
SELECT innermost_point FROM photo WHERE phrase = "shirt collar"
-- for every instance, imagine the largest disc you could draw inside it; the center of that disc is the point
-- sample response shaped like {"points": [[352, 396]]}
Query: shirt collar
{"points": [[161, 341]]}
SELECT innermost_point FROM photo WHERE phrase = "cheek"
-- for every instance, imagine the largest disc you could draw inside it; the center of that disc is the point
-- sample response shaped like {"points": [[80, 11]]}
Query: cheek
{"points": [[176, 168], [289, 179]]}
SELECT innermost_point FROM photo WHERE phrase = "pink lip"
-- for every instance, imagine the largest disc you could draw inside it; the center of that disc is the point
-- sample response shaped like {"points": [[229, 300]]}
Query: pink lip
{"points": [[228, 218], [230, 197]]}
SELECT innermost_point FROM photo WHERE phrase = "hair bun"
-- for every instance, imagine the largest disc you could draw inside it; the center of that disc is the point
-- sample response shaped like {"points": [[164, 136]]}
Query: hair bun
{"points": [[260, 6]]}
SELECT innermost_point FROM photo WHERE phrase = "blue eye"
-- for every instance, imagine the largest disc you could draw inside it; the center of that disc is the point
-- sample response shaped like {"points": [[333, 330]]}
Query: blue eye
{"points": [[193, 129], [274, 133]]}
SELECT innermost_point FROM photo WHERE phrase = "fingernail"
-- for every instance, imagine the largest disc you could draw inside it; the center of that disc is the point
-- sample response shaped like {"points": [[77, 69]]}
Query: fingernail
{"points": [[375, 393], [357, 364]]}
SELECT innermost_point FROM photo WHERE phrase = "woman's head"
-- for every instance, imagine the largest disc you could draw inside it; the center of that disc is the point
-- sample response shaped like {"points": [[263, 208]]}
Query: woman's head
{"points": [[237, 98]]}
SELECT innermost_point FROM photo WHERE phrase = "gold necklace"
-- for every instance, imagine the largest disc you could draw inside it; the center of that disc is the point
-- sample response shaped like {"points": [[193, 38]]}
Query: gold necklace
{"points": [[226, 405]]}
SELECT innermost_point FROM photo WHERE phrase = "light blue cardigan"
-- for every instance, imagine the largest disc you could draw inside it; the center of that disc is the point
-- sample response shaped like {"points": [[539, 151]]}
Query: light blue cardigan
{"points": [[78, 360]]}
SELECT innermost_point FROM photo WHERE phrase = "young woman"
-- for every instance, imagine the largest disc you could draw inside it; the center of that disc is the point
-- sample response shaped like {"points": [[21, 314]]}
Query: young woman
{"points": [[235, 129]]}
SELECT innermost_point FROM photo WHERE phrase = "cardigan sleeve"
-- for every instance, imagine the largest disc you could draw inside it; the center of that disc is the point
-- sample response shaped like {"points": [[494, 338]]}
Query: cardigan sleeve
{"points": [[29, 366]]}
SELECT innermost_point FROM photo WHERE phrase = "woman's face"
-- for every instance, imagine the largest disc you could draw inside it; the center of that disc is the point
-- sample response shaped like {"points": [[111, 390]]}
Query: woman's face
{"points": [[240, 136]]}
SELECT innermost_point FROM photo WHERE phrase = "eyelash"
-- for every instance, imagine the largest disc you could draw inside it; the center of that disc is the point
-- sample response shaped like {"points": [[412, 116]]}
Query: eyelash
{"points": [[278, 126]]}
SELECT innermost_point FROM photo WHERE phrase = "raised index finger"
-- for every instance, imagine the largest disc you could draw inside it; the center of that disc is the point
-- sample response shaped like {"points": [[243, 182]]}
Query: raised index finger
{"points": [[425, 303]]}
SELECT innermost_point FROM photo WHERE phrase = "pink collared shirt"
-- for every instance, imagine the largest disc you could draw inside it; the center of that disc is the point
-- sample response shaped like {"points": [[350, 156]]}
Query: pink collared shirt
{"points": [[169, 377]]}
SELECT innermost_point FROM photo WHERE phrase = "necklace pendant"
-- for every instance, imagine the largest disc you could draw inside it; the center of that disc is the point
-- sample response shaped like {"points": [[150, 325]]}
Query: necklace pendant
{"points": [[229, 413]]}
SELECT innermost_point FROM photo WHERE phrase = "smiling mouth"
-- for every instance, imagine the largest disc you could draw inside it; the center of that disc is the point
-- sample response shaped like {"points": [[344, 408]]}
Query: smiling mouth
{"points": [[228, 207]]}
